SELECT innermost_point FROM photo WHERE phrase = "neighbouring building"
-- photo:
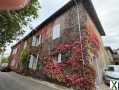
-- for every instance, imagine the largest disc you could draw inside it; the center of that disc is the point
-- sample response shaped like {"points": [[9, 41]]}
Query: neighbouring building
{"points": [[109, 54], [73, 32]]}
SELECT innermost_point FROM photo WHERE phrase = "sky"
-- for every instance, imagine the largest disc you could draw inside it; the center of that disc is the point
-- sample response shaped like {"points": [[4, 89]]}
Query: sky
{"points": [[107, 11]]}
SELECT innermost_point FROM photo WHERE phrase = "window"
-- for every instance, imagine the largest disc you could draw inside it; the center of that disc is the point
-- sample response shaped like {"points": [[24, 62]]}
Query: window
{"points": [[58, 58], [56, 32], [33, 62], [40, 39], [38, 42], [34, 40]]}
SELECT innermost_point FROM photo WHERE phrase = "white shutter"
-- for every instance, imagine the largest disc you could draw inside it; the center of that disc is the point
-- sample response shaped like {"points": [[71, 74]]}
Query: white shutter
{"points": [[35, 61], [59, 58], [34, 40], [31, 62], [39, 42]]}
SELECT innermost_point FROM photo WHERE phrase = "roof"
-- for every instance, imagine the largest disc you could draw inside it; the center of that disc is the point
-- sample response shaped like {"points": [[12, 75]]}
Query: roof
{"points": [[87, 5], [110, 49]]}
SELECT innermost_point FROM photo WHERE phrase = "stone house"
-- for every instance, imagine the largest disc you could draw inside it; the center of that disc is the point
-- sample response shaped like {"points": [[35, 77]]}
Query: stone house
{"points": [[74, 23]]}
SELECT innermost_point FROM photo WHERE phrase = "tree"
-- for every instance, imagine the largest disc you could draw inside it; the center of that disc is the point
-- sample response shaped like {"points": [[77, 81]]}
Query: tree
{"points": [[12, 22]]}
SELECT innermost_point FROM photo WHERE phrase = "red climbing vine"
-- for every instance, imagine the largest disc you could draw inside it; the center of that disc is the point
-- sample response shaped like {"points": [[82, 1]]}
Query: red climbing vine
{"points": [[75, 69]]}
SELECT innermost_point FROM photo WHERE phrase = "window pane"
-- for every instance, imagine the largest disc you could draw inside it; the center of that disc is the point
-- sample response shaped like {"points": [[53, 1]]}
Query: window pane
{"points": [[56, 31], [13, 62], [34, 40]]}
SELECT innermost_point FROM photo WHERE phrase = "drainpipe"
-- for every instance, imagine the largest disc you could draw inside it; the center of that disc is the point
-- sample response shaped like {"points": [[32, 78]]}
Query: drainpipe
{"points": [[79, 26]]}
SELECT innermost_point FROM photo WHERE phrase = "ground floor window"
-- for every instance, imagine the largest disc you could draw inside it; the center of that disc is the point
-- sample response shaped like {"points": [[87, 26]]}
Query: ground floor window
{"points": [[33, 62], [58, 58]]}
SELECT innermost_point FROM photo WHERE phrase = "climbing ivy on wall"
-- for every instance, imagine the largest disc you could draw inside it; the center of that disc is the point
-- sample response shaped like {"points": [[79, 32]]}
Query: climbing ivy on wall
{"points": [[75, 69], [24, 59]]}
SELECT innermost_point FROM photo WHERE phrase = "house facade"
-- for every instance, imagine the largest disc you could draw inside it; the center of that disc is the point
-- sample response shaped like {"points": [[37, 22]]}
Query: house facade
{"points": [[71, 36]]}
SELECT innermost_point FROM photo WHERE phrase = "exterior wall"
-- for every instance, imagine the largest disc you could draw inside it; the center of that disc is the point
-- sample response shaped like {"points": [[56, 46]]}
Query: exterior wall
{"points": [[101, 59], [91, 51]]}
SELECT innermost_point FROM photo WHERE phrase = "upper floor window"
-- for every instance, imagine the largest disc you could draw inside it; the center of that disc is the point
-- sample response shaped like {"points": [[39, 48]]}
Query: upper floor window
{"points": [[56, 32], [36, 40]]}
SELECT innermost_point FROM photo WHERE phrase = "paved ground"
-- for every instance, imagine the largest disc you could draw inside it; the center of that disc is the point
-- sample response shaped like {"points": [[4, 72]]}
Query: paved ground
{"points": [[12, 82], [103, 87]]}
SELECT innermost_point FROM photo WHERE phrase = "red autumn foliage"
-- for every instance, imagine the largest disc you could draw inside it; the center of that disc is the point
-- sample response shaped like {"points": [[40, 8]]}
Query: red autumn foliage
{"points": [[72, 80], [78, 74], [72, 60]]}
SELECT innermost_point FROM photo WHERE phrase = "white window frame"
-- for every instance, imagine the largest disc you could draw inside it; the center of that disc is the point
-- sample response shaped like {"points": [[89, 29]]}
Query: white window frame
{"points": [[59, 58], [33, 62], [38, 40], [56, 32], [34, 40]]}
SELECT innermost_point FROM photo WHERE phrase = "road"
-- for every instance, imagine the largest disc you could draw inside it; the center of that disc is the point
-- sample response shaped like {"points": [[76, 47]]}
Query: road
{"points": [[13, 82]]}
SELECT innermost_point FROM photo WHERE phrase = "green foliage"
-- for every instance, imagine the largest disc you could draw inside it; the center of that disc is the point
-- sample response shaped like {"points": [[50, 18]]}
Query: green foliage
{"points": [[13, 22], [24, 58]]}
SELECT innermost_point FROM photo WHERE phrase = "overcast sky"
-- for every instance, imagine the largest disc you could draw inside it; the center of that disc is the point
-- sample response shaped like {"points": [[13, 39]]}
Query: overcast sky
{"points": [[107, 10]]}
